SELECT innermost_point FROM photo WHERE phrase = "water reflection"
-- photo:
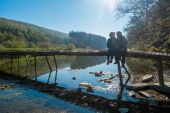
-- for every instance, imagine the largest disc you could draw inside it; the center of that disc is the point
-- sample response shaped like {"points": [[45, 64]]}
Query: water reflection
{"points": [[83, 62], [30, 66], [55, 78]]}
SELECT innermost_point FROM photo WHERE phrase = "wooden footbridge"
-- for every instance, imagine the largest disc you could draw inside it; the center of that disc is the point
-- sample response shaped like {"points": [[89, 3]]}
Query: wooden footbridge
{"points": [[85, 98], [159, 57]]}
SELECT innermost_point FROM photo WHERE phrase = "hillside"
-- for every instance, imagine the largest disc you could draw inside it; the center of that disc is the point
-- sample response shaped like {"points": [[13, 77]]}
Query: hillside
{"points": [[15, 34]]}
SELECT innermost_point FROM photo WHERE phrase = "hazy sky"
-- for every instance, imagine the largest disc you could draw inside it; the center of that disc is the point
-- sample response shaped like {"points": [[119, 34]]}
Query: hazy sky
{"points": [[93, 16]]}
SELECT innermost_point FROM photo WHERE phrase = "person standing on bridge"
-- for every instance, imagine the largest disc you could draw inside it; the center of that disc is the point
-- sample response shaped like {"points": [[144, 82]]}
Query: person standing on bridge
{"points": [[121, 48], [111, 44]]}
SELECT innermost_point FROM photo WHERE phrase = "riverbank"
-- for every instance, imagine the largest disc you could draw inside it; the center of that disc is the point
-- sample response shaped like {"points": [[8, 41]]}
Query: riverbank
{"points": [[81, 99]]}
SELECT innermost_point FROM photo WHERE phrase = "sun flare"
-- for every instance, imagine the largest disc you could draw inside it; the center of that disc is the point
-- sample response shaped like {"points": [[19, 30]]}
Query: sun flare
{"points": [[109, 4]]}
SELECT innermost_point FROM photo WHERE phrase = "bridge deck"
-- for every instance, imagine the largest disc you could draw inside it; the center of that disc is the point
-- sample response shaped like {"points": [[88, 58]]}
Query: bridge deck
{"points": [[135, 54]]}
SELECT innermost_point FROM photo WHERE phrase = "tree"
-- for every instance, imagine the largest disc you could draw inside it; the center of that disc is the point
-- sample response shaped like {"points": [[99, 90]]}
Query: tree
{"points": [[149, 26]]}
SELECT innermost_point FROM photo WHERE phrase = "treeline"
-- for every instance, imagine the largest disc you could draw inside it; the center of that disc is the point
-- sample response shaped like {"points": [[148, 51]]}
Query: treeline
{"points": [[149, 26], [20, 35], [15, 34], [87, 40]]}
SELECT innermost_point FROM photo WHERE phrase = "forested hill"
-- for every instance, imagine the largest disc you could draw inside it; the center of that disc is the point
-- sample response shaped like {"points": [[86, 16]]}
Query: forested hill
{"points": [[16, 34], [87, 40]]}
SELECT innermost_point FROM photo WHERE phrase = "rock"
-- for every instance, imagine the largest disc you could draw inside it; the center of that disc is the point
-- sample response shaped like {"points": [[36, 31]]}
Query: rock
{"points": [[145, 94], [147, 78], [101, 73], [131, 93], [106, 80], [138, 87], [85, 85], [74, 78], [3, 87]]}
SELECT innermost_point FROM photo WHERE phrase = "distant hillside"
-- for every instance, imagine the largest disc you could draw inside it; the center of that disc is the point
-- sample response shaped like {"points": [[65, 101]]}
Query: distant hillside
{"points": [[15, 34]]}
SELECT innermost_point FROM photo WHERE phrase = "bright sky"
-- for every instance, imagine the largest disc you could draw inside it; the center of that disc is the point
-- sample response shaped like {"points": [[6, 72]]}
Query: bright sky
{"points": [[92, 16]]}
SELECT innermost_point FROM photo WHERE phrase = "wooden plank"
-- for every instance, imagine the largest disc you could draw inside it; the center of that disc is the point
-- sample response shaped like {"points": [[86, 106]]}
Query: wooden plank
{"points": [[135, 54]]}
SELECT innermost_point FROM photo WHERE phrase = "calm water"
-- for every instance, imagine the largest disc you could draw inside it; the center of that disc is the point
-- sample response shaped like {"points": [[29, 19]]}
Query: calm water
{"points": [[81, 72], [24, 100], [71, 72]]}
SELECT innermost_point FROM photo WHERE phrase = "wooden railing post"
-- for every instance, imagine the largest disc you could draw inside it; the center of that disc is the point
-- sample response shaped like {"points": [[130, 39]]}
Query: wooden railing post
{"points": [[160, 72], [19, 67], [55, 62], [35, 64], [11, 64], [27, 66], [56, 77], [48, 64], [120, 81]]}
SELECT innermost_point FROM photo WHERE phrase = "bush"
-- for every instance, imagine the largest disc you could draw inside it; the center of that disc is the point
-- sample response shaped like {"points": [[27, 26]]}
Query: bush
{"points": [[70, 47]]}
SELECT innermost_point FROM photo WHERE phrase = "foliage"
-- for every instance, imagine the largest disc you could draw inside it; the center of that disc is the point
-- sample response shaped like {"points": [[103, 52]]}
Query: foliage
{"points": [[85, 40], [149, 26], [15, 34]]}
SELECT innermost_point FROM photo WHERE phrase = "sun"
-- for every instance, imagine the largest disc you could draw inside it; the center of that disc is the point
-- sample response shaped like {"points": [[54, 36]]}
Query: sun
{"points": [[110, 4]]}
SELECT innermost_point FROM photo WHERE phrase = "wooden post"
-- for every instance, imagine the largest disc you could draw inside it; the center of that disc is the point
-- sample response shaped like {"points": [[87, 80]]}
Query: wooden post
{"points": [[48, 64], [27, 66], [120, 82], [11, 64], [35, 64], [5, 67], [49, 78], [56, 77], [18, 67], [129, 76], [120, 74], [1, 60], [55, 62], [160, 72]]}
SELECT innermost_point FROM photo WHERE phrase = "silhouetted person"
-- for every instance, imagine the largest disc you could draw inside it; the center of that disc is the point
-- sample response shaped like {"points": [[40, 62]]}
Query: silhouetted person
{"points": [[111, 44], [121, 47]]}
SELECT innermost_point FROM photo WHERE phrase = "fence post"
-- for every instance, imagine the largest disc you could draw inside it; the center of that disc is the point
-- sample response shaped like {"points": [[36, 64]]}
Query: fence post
{"points": [[19, 67], [11, 64], [160, 72], [55, 62], [35, 64], [48, 64], [120, 82]]}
